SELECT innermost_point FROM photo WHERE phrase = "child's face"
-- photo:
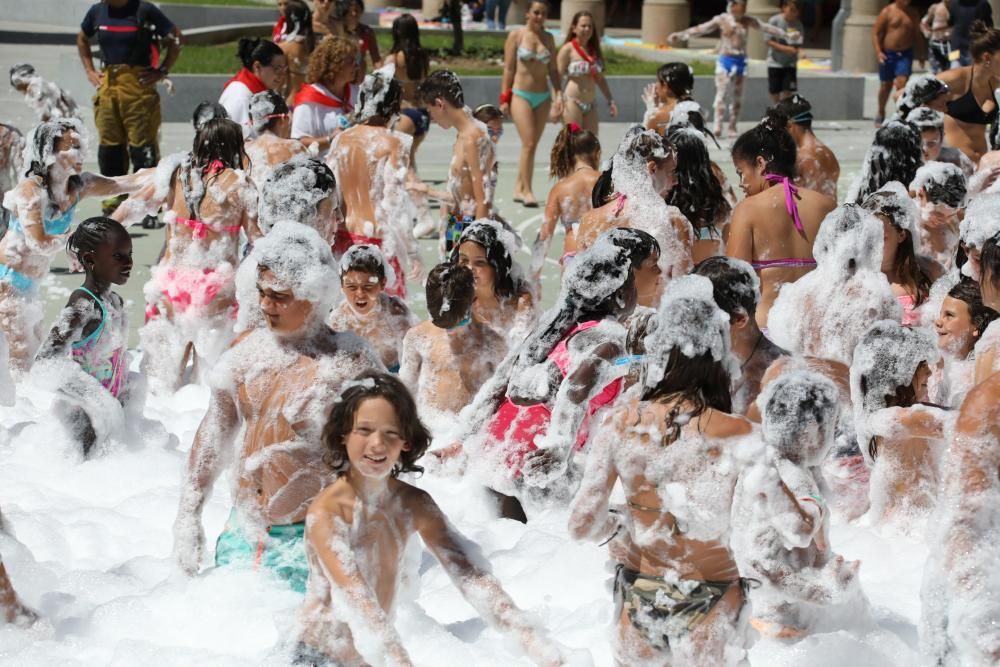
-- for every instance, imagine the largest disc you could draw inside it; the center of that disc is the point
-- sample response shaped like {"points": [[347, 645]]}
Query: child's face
{"points": [[112, 261], [69, 156], [584, 29], [738, 9], [375, 442], [495, 129], [664, 174], [892, 237], [648, 281], [284, 313], [930, 143], [282, 5], [790, 12], [439, 114], [751, 175], [473, 255], [362, 290], [956, 334]]}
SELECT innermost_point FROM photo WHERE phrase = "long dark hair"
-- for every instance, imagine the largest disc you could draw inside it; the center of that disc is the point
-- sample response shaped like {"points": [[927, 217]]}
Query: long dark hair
{"points": [[700, 380], [486, 235], [406, 40], [905, 264], [571, 143], [698, 193], [770, 140], [375, 384], [219, 140]]}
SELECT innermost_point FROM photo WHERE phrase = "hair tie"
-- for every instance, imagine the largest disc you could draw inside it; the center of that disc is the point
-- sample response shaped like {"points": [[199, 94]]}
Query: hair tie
{"points": [[573, 128]]}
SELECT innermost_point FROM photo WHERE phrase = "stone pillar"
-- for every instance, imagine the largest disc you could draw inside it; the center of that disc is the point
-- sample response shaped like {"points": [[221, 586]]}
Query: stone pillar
{"points": [[662, 17], [429, 8], [763, 10], [571, 7], [859, 55], [376, 4], [517, 11]]}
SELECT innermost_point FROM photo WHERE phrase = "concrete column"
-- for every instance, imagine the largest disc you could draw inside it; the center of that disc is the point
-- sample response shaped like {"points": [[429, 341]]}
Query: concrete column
{"points": [[428, 9], [571, 7], [517, 11], [995, 5], [376, 4], [763, 10], [859, 56], [662, 17]]}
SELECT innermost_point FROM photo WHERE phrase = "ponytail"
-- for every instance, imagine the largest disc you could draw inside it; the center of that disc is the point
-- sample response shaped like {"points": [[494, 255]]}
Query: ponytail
{"points": [[770, 140], [257, 50], [571, 142]]}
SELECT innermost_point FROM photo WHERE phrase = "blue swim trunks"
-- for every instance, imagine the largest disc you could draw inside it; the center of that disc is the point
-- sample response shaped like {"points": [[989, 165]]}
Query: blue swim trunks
{"points": [[897, 63], [18, 280], [731, 65], [283, 551]]}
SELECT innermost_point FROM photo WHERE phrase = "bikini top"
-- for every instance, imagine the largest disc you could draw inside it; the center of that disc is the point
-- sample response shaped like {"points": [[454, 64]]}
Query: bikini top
{"points": [[97, 354], [543, 56], [791, 192], [967, 110], [53, 226], [588, 65]]}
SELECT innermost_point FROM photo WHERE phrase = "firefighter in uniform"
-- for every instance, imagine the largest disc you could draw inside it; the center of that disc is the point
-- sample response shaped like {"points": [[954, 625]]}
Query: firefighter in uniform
{"points": [[127, 106]]}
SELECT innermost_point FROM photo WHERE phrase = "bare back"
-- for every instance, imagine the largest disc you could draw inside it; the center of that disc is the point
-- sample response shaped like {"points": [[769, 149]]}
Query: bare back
{"points": [[358, 158]]}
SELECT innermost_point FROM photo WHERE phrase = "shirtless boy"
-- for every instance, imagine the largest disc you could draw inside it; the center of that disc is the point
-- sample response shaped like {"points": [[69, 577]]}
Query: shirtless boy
{"points": [[447, 359], [367, 310], [470, 177], [816, 167], [358, 528], [274, 385], [895, 33], [370, 163]]}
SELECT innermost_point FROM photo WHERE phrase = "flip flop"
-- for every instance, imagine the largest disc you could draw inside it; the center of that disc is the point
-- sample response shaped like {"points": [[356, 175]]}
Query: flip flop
{"points": [[530, 204], [518, 200]]}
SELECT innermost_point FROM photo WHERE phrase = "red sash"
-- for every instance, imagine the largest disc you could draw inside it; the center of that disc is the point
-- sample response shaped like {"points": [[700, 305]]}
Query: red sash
{"points": [[311, 93], [587, 57], [279, 30], [248, 79]]}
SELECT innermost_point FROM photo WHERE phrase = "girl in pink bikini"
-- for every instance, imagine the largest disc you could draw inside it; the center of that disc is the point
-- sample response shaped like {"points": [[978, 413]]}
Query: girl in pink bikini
{"points": [[536, 409], [774, 227], [191, 298], [92, 331]]}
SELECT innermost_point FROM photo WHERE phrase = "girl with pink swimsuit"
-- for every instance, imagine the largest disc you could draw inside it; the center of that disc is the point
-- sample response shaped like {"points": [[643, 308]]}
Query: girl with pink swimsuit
{"points": [[92, 332], [537, 408]]}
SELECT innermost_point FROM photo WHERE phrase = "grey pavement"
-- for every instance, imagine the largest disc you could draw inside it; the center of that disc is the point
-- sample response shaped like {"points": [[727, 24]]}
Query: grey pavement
{"points": [[848, 139]]}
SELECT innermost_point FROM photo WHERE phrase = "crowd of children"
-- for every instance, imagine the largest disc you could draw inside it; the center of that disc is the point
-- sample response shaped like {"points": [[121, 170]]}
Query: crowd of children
{"points": [[717, 381]]}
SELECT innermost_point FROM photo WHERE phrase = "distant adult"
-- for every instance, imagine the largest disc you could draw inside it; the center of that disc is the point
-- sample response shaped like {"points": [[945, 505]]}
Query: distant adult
{"points": [[581, 63], [895, 34], [278, 30], [970, 104], [324, 17], [529, 65], [963, 14], [352, 28], [297, 43], [127, 106], [264, 68], [324, 104], [496, 14], [412, 67]]}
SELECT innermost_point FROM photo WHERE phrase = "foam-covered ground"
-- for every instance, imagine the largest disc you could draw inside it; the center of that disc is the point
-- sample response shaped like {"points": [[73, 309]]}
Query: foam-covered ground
{"points": [[92, 555]]}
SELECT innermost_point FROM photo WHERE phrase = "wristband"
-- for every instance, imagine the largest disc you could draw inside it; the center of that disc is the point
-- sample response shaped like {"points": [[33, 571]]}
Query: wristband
{"points": [[506, 96]]}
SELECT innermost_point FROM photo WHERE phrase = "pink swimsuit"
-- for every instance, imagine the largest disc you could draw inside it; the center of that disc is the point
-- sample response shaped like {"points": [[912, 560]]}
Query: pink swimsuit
{"points": [[518, 425], [97, 354]]}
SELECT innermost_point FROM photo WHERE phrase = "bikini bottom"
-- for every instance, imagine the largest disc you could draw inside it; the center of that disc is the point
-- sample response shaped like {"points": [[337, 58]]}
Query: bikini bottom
{"points": [[534, 99]]}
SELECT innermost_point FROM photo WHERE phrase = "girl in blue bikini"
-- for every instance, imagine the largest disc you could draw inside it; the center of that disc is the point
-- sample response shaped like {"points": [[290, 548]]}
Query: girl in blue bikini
{"points": [[529, 62], [92, 330], [41, 211]]}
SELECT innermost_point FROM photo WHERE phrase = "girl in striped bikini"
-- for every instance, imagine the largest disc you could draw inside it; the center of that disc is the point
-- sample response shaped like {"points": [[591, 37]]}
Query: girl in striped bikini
{"points": [[774, 227]]}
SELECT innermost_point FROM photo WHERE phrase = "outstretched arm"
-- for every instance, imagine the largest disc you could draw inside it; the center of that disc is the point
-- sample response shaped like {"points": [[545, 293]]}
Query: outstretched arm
{"points": [[711, 25], [96, 185], [215, 436], [470, 573]]}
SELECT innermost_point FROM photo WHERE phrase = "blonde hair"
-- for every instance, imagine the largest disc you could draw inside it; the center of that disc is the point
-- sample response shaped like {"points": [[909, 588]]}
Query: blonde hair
{"points": [[330, 57]]}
